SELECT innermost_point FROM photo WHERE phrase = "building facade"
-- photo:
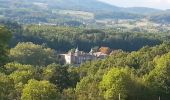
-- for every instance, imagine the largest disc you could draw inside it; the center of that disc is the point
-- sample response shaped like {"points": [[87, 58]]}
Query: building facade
{"points": [[79, 57]]}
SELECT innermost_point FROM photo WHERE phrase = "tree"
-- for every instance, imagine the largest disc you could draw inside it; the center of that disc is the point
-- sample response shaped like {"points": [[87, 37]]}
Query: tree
{"points": [[20, 74], [6, 87], [29, 53], [40, 90], [57, 75], [87, 89], [20, 79], [158, 80], [5, 36], [117, 81], [69, 94], [12, 67]]}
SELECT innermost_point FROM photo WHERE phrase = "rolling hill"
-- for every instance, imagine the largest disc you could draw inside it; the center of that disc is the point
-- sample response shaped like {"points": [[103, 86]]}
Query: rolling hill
{"points": [[28, 11]]}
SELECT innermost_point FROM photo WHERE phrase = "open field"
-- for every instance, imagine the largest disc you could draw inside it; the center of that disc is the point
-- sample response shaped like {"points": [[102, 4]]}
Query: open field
{"points": [[80, 14]]}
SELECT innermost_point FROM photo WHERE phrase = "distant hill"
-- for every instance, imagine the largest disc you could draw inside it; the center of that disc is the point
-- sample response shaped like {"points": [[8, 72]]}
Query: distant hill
{"points": [[142, 10], [95, 5], [162, 17], [84, 5], [42, 10]]}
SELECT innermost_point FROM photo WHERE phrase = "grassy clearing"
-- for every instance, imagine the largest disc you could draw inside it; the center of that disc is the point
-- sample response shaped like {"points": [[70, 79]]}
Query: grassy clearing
{"points": [[81, 14]]}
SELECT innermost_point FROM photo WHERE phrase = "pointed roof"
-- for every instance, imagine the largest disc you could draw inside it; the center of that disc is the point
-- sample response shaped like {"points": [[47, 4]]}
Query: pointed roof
{"points": [[77, 49], [91, 51]]}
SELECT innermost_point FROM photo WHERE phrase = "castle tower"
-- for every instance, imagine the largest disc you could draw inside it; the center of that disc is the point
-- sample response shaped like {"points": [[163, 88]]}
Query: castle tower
{"points": [[77, 52], [91, 52]]}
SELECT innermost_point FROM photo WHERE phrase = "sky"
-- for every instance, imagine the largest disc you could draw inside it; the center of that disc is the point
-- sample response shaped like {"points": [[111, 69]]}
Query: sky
{"points": [[159, 4]]}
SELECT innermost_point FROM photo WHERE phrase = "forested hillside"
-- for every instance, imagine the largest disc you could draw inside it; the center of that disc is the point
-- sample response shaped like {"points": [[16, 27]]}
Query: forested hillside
{"points": [[33, 72], [66, 38], [163, 17], [37, 37], [62, 12]]}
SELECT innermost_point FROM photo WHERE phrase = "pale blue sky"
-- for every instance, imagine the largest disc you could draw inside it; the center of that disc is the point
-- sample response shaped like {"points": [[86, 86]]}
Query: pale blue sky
{"points": [[160, 4]]}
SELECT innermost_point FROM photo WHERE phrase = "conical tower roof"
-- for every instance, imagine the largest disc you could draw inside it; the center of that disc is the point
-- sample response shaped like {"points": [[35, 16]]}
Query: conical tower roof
{"points": [[77, 49]]}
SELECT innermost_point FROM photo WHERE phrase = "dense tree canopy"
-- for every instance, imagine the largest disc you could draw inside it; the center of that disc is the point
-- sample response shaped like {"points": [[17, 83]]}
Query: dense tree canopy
{"points": [[29, 53], [142, 74], [57, 75], [5, 36], [117, 82], [35, 73], [6, 87], [65, 38], [39, 90], [158, 79]]}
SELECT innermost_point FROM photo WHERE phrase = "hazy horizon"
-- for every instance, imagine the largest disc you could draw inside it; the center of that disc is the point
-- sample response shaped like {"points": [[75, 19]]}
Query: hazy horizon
{"points": [[158, 4]]}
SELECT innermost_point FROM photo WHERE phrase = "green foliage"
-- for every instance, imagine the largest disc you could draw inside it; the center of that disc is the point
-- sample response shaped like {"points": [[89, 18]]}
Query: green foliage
{"points": [[65, 38], [57, 75], [40, 90], [29, 53], [6, 87], [158, 79], [139, 84], [69, 94], [87, 89], [36, 74], [5, 36], [117, 81], [12, 67], [20, 74]]}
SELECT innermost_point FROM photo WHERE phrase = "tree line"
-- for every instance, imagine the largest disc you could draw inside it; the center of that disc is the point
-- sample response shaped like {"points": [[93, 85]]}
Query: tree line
{"points": [[32, 72], [65, 38]]}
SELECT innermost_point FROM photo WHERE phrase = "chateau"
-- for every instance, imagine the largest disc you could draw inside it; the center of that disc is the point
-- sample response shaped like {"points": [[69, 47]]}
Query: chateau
{"points": [[79, 57]]}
